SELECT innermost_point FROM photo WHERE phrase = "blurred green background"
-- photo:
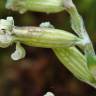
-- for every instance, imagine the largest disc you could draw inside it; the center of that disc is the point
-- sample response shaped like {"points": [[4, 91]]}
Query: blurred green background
{"points": [[41, 71]]}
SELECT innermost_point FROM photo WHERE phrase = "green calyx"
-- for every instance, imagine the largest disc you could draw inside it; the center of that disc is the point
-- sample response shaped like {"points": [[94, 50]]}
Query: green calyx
{"points": [[48, 6]]}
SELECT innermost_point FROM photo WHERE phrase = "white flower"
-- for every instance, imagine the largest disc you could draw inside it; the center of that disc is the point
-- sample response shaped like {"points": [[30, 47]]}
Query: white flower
{"points": [[19, 52], [49, 94]]}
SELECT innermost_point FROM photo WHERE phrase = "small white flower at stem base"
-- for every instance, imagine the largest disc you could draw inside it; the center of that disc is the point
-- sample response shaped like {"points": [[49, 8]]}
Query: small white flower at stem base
{"points": [[19, 52], [49, 94], [46, 25]]}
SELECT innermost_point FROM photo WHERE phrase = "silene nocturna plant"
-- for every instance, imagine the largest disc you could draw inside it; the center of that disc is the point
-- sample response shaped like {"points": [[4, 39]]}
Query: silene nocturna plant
{"points": [[63, 43]]}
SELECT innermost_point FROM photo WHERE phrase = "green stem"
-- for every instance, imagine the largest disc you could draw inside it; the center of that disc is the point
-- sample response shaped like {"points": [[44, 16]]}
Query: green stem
{"points": [[79, 28]]}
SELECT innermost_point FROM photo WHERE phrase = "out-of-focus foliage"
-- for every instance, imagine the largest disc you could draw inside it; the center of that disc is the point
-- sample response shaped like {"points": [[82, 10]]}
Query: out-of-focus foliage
{"points": [[58, 79], [2, 2]]}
